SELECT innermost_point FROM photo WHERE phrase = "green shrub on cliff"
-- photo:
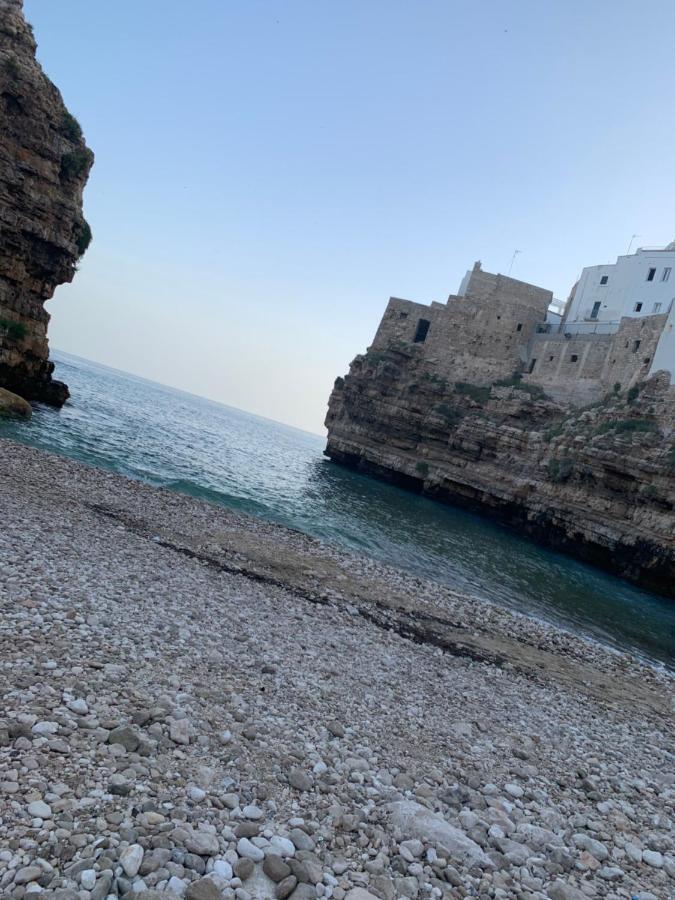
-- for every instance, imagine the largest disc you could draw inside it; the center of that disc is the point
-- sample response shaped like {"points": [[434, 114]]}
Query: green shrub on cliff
{"points": [[14, 331], [75, 163], [516, 382], [71, 127], [12, 68], [560, 469], [451, 415], [83, 239], [422, 468], [628, 426], [474, 391]]}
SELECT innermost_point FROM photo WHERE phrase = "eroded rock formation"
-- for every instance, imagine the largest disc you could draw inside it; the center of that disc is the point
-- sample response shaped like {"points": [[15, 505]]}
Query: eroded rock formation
{"points": [[44, 165], [598, 482]]}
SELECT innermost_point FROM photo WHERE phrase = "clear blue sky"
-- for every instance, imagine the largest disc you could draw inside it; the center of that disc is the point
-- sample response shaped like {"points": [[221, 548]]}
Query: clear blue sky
{"points": [[268, 173]]}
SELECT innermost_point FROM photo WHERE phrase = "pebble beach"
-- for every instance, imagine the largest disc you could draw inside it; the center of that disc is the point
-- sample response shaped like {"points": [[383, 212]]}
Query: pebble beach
{"points": [[200, 704]]}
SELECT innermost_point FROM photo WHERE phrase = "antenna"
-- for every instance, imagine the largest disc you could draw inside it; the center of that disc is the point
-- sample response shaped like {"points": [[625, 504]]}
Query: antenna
{"points": [[513, 259], [630, 244]]}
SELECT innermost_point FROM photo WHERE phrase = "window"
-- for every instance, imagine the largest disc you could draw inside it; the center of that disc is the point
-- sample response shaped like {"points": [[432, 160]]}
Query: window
{"points": [[656, 308], [532, 365], [403, 315], [596, 309], [519, 326], [636, 346], [422, 331], [648, 359], [650, 274], [666, 273], [550, 359], [574, 357], [637, 307], [604, 279]]}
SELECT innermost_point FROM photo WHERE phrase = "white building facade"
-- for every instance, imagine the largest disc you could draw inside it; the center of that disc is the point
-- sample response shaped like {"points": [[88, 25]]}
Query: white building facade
{"points": [[635, 286], [642, 284]]}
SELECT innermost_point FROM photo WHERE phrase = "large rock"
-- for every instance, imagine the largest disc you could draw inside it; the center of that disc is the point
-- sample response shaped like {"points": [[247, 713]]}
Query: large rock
{"points": [[44, 165], [13, 405], [560, 890], [412, 820]]}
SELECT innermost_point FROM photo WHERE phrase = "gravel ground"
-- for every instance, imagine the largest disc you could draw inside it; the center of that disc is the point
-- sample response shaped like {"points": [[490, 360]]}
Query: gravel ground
{"points": [[199, 704]]}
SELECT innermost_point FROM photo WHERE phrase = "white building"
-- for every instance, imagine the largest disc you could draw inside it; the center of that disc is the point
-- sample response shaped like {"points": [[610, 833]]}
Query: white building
{"points": [[642, 284]]}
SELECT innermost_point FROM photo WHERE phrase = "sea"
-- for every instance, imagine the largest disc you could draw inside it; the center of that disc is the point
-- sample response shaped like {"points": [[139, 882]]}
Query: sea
{"points": [[232, 458]]}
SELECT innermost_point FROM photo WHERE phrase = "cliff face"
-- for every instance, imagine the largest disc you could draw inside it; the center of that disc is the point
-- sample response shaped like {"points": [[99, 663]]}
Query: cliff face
{"points": [[44, 165], [597, 482]]}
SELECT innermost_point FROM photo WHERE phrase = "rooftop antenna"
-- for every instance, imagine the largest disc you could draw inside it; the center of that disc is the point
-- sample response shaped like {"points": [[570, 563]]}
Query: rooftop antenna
{"points": [[630, 244], [513, 259]]}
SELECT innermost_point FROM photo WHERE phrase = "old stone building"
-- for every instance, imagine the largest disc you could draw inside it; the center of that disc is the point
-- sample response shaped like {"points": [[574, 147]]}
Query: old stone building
{"points": [[497, 327]]}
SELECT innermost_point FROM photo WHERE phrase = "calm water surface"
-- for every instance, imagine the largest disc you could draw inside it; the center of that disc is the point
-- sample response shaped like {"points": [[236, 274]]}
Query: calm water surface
{"points": [[216, 453]]}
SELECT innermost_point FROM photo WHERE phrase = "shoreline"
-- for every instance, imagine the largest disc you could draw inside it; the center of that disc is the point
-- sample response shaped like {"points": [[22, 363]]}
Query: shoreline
{"points": [[343, 684]]}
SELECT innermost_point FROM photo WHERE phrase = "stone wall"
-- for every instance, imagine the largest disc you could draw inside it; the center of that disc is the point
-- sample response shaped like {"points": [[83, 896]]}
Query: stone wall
{"points": [[478, 338], [581, 368]]}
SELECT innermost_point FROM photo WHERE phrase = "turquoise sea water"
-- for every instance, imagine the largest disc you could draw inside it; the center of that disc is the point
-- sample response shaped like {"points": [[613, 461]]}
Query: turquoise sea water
{"points": [[216, 453]]}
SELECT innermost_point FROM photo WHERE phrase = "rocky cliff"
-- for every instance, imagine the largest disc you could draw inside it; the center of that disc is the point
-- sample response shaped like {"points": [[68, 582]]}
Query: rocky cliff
{"points": [[597, 482], [44, 165]]}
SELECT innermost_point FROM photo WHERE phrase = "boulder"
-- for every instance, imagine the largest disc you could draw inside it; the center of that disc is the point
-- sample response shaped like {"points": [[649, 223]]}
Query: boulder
{"points": [[13, 405], [412, 820]]}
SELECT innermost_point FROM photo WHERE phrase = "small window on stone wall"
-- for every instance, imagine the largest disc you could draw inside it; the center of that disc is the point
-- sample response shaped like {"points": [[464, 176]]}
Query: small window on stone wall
{"points": [[648, 359], [636, 346], [550, 359], [574, 357], [422, 331], [403, 315], [519, 326]]}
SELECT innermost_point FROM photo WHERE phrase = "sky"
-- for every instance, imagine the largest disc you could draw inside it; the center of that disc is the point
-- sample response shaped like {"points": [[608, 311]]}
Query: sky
{"points": [[268, 173]]}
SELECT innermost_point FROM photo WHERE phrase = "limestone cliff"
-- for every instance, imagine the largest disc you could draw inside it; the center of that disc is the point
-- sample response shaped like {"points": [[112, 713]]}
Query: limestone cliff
{"points": [[598, 482], [44, 165]]}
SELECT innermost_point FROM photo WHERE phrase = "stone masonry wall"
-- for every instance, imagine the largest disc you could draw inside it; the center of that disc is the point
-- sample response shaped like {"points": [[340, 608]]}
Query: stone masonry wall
{"points": [[581, 368], [478, 338]]}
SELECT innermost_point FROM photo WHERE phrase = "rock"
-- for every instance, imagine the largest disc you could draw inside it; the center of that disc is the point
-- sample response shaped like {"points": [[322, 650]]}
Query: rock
{"points": [[560, 890], [360, 894], [130, 859], [13, 405], [653, 858], [275, 868], [202, 843], [27, 874], [301, 840], [204, 889], [243, 868], [595, 848], [179, 731], [412, 820], [124, 735], [88, 879], [250, 851], [282, 846], [300, 780], [253, 812], [286, 887], [223, 869], [44, 232], [39, 810]]}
